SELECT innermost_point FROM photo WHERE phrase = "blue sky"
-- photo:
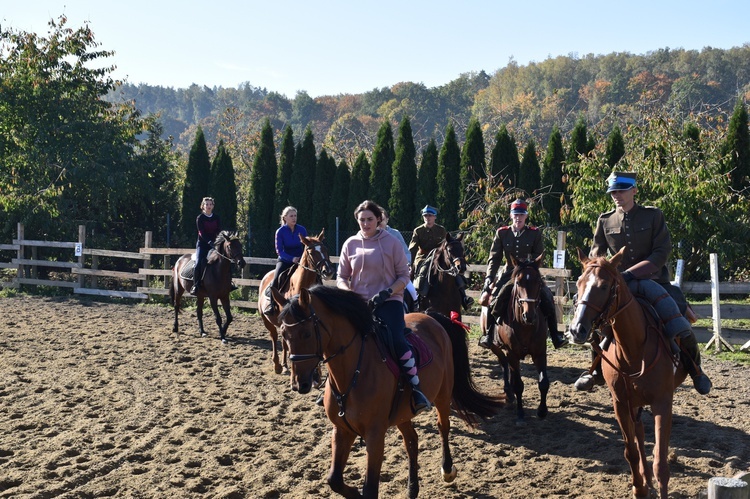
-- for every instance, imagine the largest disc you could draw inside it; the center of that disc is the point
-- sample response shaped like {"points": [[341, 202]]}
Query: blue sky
{"points": [[337, 47]]}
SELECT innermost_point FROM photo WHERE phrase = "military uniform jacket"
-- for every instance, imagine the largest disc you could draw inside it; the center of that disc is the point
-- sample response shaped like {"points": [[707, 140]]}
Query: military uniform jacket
{"points": [[521, 246], [424, 240], [644, 232]]}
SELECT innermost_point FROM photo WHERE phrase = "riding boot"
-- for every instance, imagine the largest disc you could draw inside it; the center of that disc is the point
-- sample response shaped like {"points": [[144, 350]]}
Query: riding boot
{"points": [[500, 308], [466, 301], [488, 338], [691, 359], [409, 369], [270, 308], [197, 278], [547, 306], [593, 376]]}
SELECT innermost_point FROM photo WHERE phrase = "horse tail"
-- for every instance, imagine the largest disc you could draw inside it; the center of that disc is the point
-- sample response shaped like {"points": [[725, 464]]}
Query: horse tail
{"points": [[467, 400]]}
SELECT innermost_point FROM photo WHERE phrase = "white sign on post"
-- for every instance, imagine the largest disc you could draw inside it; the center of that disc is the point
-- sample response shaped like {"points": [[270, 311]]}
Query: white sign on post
{"points": [[79, 249], [559, 259]]}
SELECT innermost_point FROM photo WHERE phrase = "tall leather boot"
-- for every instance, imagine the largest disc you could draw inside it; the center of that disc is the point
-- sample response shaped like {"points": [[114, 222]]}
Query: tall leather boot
{"points": [[593, 376], [270, 307], [691, 359], [548, 309], [197, 278], [466, 301], [488, 338], [409, 369]]}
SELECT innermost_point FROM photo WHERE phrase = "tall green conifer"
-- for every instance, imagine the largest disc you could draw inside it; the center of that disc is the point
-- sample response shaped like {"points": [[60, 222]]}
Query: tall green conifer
{"points": [[261, 218], [224, 187], [337, 207], [473, 166], [615, 147], [284, 175], [530, 175], [504, 161], [302, 186], [552, 176], [358, 189], [197, 180], [381, 172], [402, 204], [449, 181], [737, 148], [427, 185], [325, 171]]}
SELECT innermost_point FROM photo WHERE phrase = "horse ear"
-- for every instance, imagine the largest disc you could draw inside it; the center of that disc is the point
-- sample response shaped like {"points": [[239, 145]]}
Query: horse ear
{"points": [[279, 298], [448, 237], [304, 240], [538, 260], [460, 236], [322, 236], [304, 298], [615, 260], [582, 256]]}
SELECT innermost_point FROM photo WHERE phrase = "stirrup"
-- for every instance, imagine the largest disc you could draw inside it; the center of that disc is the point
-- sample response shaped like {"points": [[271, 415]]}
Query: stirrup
{"points": [[484, 341]]}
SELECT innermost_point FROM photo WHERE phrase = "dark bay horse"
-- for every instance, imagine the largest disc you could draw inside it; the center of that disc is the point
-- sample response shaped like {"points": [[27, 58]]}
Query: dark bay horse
{"points": [[363, 397], [314, 266], [447, 261], [217, 281], [526, 334], [637, 365]]}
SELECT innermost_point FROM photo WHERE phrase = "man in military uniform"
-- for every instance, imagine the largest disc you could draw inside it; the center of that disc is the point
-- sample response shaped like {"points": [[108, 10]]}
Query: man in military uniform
{"points": [[643, 232], [522, 242], [424, 239]]}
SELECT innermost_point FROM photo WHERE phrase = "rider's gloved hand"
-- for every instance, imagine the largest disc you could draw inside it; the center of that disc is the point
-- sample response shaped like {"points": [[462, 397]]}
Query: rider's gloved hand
{"points": [[381, 297], [487, 285], [628, 276]]}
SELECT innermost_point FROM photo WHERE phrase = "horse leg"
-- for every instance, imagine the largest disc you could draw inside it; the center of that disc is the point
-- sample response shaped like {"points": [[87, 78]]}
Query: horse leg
{"points": [[375, 447], [341, 444], [632, 453], [510, 396], [517, 382], [228, 321], [217, 316], [662, 432], [448, 469], [177, 302], [199, 313], [543, 383], [411, 443]]}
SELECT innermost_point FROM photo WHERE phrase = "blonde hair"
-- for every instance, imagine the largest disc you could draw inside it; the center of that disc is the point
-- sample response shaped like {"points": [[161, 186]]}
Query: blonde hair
{"points": [[203, 202], [285, 212]]}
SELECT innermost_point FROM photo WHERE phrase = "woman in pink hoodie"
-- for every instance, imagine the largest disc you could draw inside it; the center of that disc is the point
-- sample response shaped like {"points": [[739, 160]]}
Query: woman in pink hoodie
{"points": [[373, 265]]}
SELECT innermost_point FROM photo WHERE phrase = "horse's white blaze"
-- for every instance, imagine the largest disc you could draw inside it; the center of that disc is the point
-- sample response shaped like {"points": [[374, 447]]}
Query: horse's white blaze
{"points": [[586, 294]]}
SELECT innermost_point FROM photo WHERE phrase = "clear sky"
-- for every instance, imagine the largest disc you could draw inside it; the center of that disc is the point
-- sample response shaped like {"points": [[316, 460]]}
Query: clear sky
{"points": [[353, 46]]}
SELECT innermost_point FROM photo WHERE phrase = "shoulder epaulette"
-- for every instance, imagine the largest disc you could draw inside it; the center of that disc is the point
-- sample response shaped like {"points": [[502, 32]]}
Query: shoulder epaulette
{"points": [[531, 227], [504, 227]]}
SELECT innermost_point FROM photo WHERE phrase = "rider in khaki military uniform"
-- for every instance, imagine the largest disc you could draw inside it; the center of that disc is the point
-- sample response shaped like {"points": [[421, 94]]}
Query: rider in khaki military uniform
{"points": [[424, 239], [643, 232], [521, 242]]}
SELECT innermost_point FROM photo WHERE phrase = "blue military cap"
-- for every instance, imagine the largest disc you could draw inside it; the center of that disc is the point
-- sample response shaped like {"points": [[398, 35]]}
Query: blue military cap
{"points": [[429, 210], [620, 181]]}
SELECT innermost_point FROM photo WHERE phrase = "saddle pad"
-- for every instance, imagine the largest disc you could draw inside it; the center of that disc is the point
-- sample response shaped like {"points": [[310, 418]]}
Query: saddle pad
{"points": [[187, 271], [420, 350]]}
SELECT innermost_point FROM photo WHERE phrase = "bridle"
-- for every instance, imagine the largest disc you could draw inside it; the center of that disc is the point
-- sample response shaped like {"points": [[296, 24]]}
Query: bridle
{"points": [[456, 263], [231, 258], [520, 301], [604, 314], [321, 266]]}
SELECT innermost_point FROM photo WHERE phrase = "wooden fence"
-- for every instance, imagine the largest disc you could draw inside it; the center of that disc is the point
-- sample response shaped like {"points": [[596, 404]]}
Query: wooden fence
{"points": [[152, 275]]}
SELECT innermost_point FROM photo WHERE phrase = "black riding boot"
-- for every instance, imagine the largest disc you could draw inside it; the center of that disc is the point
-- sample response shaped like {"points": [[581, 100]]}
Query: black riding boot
{"points": [[197, 278], [548, 309], [418, 399], [489, 337], [691, 359], [466, 301]]}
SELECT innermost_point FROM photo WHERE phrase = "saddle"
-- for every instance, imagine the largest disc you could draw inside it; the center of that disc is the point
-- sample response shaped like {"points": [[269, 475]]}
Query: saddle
{"points": [[423, 280], [188, 271], [419, 349]]}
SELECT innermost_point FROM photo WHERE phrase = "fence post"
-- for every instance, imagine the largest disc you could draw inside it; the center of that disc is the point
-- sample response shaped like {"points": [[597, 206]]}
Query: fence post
{"points": [[716, 306], [19, 254], [560, 281], [148, 241]]}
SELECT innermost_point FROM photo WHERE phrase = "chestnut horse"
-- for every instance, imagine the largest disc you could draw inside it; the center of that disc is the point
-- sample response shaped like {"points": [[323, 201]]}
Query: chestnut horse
{"points": [[447, 262], [217, 281], [526, 334], [314, 266], [363, 396], [637, 365]]}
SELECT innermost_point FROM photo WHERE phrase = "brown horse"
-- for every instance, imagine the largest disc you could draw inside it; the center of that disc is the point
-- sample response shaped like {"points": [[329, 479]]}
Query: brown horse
{"points": [[314, 265], [637, 365], [526, 334], [363, 397], [217, 281], [447, 261]]}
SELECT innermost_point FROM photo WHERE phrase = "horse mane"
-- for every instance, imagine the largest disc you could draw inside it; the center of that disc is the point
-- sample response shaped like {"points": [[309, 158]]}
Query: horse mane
{"points": [[225, 235], [342, 301], [523, 265]]}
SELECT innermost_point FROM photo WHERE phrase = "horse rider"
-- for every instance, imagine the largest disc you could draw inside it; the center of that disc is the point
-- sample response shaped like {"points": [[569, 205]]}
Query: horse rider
{"points": [[424, 239], [395, 233], [209, 227], [644, 233], [373, 265], [289, 249], [521, 242]]}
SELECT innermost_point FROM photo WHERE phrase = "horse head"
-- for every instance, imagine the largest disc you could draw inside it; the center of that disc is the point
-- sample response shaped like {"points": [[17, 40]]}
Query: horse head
{"points": [[597, 294], [229, 246], [527, 289], [454, 251], [300, 329], [317, 255]]}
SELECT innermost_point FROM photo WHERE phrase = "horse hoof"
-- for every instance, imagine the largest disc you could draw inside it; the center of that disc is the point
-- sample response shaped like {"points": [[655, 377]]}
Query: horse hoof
{"points": [[285, 370], [449, 477], [542, 413], [277, 368], [203, 335], [224, 341]]}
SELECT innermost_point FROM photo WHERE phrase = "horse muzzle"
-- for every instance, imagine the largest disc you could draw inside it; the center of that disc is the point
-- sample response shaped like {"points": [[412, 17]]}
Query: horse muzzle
{"points": [[579, 332]]}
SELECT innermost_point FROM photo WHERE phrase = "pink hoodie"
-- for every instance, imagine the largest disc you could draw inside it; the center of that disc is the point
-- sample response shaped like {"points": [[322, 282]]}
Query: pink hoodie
{"points": [[371, 265]]}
